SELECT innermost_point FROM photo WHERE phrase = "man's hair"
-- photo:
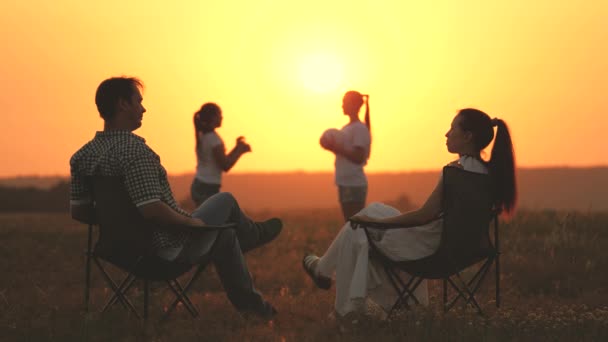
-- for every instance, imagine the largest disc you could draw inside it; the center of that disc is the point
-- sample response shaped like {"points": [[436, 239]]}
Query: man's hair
{"points": [[113, 89]]}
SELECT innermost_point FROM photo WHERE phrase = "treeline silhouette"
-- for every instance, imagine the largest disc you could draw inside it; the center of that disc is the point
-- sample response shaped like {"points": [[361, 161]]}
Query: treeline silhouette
{"points": [[583, 189], [19, 199]]}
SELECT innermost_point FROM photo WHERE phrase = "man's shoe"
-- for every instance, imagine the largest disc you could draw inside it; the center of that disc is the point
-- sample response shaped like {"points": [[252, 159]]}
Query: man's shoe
{"points": [[268, 230]]}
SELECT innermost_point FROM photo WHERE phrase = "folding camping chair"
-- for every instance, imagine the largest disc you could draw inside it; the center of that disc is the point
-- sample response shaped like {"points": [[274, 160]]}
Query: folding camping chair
{"points": [[125, 240], [468, 210]]}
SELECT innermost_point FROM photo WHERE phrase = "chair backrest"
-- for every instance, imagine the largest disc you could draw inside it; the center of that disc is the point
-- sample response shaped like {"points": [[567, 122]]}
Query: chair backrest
{"points": [[124, 235], [467, 214]]}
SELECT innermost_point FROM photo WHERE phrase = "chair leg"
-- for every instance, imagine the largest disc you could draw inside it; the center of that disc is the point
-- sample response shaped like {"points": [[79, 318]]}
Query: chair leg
{"points": [[461, 293], [146, 293], [186, 300], [476, 280], [87, 280], [413, 288], [470, 288], [404, 290], [124, 287], [471, 297], [458, 295], [406, 293], [181, 297], [480, 275], [445, 295], [397, 288], [120, 293], [118, 290], [189, 284], [497, 269]]}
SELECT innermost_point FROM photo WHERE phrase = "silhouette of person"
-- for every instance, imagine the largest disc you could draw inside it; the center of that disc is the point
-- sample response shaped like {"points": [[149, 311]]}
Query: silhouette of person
{"points": [[117, 151], [352, 154], [347, 257], [211, 157]]}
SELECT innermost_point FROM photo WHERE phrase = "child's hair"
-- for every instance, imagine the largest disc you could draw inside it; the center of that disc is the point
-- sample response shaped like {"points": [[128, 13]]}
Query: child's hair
{"points": [[357, 99], [202, 118], [367, 119]]}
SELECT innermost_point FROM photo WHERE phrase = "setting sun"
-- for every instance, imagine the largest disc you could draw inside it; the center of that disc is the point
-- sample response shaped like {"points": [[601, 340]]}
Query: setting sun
{"points": [[279, 71], [321, 72]]}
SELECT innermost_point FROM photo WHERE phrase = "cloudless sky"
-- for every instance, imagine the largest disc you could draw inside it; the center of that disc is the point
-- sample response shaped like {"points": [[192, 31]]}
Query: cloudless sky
{"points": [[279, 69]]}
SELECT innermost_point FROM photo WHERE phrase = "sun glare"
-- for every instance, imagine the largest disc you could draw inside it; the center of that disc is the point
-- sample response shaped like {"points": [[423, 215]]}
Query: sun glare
{"points": [[321, 72]]}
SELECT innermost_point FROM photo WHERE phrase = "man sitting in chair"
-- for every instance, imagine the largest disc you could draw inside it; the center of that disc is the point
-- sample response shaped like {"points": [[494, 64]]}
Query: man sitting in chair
{"points": [[116, 151]]}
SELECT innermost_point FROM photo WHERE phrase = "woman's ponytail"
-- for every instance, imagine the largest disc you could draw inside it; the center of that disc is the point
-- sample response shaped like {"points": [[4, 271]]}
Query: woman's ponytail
{"points": [[502, 166], [502, 161]]}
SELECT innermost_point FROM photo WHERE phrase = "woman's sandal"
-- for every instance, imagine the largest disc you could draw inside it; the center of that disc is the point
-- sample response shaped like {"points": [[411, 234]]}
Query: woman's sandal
{"points": [[320, 281]]}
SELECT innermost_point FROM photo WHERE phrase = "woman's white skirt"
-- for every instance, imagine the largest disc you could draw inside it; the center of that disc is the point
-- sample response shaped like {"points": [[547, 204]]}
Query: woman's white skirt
{"points": [[358, 278]]}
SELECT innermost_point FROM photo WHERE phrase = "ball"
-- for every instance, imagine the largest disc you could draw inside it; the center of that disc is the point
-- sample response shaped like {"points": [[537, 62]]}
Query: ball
{"points": [[331, 138]]}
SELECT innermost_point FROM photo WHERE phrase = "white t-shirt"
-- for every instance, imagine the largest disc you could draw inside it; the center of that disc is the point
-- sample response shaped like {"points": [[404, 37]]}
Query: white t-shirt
{"points": [[348, 173], [207, 170], [473, 164]]}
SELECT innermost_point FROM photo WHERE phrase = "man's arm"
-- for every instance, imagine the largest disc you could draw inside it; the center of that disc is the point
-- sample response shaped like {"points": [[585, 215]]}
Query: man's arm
{"points": [[162, 214], [157, 212]]}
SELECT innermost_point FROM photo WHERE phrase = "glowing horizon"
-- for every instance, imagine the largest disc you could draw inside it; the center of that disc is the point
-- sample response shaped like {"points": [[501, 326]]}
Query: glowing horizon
{"points": [[279, 70]]}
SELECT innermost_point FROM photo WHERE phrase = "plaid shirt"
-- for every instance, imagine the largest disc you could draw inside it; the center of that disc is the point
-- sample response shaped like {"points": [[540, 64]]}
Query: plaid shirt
{"points": [[122, 153]]}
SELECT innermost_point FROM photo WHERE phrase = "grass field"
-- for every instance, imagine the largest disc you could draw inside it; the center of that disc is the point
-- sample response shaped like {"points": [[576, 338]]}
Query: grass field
{"points": [[554, 281]]}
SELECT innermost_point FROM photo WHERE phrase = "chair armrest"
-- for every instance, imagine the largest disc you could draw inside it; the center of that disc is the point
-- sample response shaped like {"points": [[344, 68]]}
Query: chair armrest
{"points": [[354, 223], [206, 228]]}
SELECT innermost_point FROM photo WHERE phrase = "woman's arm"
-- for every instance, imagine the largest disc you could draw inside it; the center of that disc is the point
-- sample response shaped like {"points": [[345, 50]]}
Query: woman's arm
{"points": [[428, 212]]}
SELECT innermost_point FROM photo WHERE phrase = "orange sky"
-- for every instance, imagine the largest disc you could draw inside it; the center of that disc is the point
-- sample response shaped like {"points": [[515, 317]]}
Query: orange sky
{"points": [[279, 69]]}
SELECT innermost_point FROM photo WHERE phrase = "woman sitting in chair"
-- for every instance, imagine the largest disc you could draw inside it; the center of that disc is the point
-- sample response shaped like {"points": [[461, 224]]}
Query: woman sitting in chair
{"points": [[357, 277]]}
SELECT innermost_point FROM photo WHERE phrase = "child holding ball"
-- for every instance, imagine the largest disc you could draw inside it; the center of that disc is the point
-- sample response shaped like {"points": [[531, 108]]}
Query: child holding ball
{"points": [[352, 150]]}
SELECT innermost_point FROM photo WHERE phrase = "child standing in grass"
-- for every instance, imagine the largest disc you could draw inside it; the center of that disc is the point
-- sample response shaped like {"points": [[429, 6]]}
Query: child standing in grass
{"points": [[211, 157], [352, 155]]}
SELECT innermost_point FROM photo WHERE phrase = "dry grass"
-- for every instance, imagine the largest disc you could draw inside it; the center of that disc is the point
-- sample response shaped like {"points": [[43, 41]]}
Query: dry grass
{"points": [[555, 287]]}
